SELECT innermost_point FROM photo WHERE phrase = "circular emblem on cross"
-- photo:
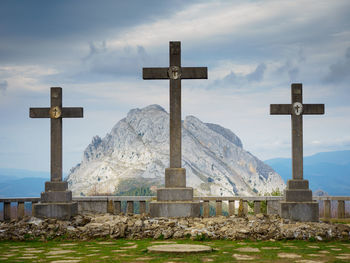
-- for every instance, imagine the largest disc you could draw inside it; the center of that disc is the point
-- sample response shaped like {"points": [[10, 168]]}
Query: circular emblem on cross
{"points": [[55, 112], [174, 72], [298, 108]]}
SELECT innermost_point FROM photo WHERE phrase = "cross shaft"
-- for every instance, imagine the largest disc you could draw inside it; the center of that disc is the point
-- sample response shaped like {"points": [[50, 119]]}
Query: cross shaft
{"points": [[56, 113], [297, 109], [175, 73]]}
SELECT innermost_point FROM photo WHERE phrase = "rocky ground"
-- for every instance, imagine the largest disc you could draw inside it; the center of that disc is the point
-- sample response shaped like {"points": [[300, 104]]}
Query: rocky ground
{"points": [[253, 227]]}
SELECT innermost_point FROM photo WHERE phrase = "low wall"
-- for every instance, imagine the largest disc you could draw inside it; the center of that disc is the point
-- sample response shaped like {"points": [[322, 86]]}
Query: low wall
{"points": [[126, 204]]}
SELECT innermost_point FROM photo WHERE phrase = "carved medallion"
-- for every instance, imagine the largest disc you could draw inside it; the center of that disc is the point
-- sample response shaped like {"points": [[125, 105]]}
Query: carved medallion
{"points": [[55, 112], [298, 108], [174, 72]]}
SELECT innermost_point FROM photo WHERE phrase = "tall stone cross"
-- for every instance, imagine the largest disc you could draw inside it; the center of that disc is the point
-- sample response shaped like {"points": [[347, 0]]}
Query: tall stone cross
{"points": [[56, 191], [297, 194], [175, 73], [175, 176]]}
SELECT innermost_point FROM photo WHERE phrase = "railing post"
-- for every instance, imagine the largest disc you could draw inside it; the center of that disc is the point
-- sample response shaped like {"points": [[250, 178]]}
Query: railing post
{"points": [[117, 207], [257, 207], [273, 207], [218, 211], [33, 203], [231, 207], [245, 207], [327, 209], [341, 209], [20, 210], [110, 207], [7, 211], [240, 208], [142, 207], [130, 207], [206, 208]]}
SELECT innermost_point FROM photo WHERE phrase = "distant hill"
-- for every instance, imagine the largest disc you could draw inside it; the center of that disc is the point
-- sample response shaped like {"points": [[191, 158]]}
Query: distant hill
{"points": [[329, 171], [22, 183]]}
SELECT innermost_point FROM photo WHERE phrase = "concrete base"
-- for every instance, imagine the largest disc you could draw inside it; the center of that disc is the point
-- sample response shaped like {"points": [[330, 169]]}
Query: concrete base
{"points": [[62, 211], [298, 195], [175, 177], [300, 211], [175, 194], [56, 197], [174, 209]]}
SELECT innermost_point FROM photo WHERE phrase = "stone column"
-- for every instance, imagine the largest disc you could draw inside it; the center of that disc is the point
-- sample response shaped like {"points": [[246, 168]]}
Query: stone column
{"points": [[341, 209], [206, 208], [117, 207], [130, 207], [7, 211], [20, 210], [231, 207], [327, 209], [257, 207], [218, 210], [142, 207]]}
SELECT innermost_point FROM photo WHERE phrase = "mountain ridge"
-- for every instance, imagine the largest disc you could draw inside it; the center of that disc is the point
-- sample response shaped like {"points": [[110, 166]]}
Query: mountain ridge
{"points": [[137, 148]]}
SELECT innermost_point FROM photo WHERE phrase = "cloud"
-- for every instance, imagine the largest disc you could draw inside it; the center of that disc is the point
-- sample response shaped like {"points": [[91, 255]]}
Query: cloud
{"points": [[3, 86], [242, 79], [339, 72]]}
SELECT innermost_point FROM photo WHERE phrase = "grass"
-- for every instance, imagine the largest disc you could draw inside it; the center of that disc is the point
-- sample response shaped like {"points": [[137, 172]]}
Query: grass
{"points": [[123, 250]]}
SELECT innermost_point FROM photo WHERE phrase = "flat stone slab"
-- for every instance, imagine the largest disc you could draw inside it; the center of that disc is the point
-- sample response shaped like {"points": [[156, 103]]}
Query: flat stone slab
{"points": [[180, 248], [248, 249], [243, 257]]}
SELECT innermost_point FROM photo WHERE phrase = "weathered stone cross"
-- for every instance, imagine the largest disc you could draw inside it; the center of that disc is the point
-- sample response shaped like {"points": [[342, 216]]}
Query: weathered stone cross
{"points": [[175, 73], [55, 190], [297, 189], [175, 200]]}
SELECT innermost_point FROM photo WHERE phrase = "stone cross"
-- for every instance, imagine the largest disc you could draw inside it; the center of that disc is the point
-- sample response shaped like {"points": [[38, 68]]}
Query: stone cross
{"points": [[297, 109], [56, 201], [175, 200], [175, 73], [56, 113], [298, 204]]}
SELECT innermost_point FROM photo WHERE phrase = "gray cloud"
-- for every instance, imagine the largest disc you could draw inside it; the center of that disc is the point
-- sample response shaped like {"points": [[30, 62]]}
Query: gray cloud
{"points": [[240, 79], [340, 71], [3, 86], [291, 69], [258, 74]]}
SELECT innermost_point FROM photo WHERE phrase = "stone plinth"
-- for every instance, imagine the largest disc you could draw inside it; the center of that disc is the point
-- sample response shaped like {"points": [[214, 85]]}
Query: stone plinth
{"points": [[174, 209], [298, 204], [62, 211], [300, 211], [56, 204], [175, 200]]}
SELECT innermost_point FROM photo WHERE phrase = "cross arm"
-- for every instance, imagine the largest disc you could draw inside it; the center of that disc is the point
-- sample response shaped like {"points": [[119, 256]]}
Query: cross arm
{"points": [[39, 113], [72, 112], [194, 73], [313, 108], [280, 109], [155, 73]]}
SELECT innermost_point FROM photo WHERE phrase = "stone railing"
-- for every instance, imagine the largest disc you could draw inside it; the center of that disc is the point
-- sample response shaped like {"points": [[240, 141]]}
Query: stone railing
{"points": [[20, 206], [113, 204]]}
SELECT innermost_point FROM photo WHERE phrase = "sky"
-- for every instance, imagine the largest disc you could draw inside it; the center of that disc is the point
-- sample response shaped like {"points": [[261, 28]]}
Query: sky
{"points": [[95, 51]]}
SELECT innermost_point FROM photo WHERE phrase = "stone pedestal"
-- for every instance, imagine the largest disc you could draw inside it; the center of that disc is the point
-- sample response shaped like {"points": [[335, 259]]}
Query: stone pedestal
{"points": [[298, 204], [175, 200], [56, 202]]}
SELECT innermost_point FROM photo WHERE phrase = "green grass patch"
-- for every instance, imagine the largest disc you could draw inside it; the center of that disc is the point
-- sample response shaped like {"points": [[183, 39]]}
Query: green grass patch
{"points": [[122, 250]]}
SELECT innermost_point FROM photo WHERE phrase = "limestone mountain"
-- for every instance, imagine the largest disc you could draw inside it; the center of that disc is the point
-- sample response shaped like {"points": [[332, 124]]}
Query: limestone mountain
{"points": [[136, 152]]}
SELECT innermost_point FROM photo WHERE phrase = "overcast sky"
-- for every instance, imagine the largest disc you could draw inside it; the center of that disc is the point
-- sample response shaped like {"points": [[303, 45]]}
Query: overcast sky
{"points": [[95, 51]]}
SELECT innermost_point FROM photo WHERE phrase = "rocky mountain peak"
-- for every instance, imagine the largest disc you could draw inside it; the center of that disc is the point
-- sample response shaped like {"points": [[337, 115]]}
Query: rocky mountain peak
{"points": [[136, 152]]}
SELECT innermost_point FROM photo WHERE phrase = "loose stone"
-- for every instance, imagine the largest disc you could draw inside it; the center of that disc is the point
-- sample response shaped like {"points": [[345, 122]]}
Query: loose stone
{"points": [[288, 255], [243, 257]]}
